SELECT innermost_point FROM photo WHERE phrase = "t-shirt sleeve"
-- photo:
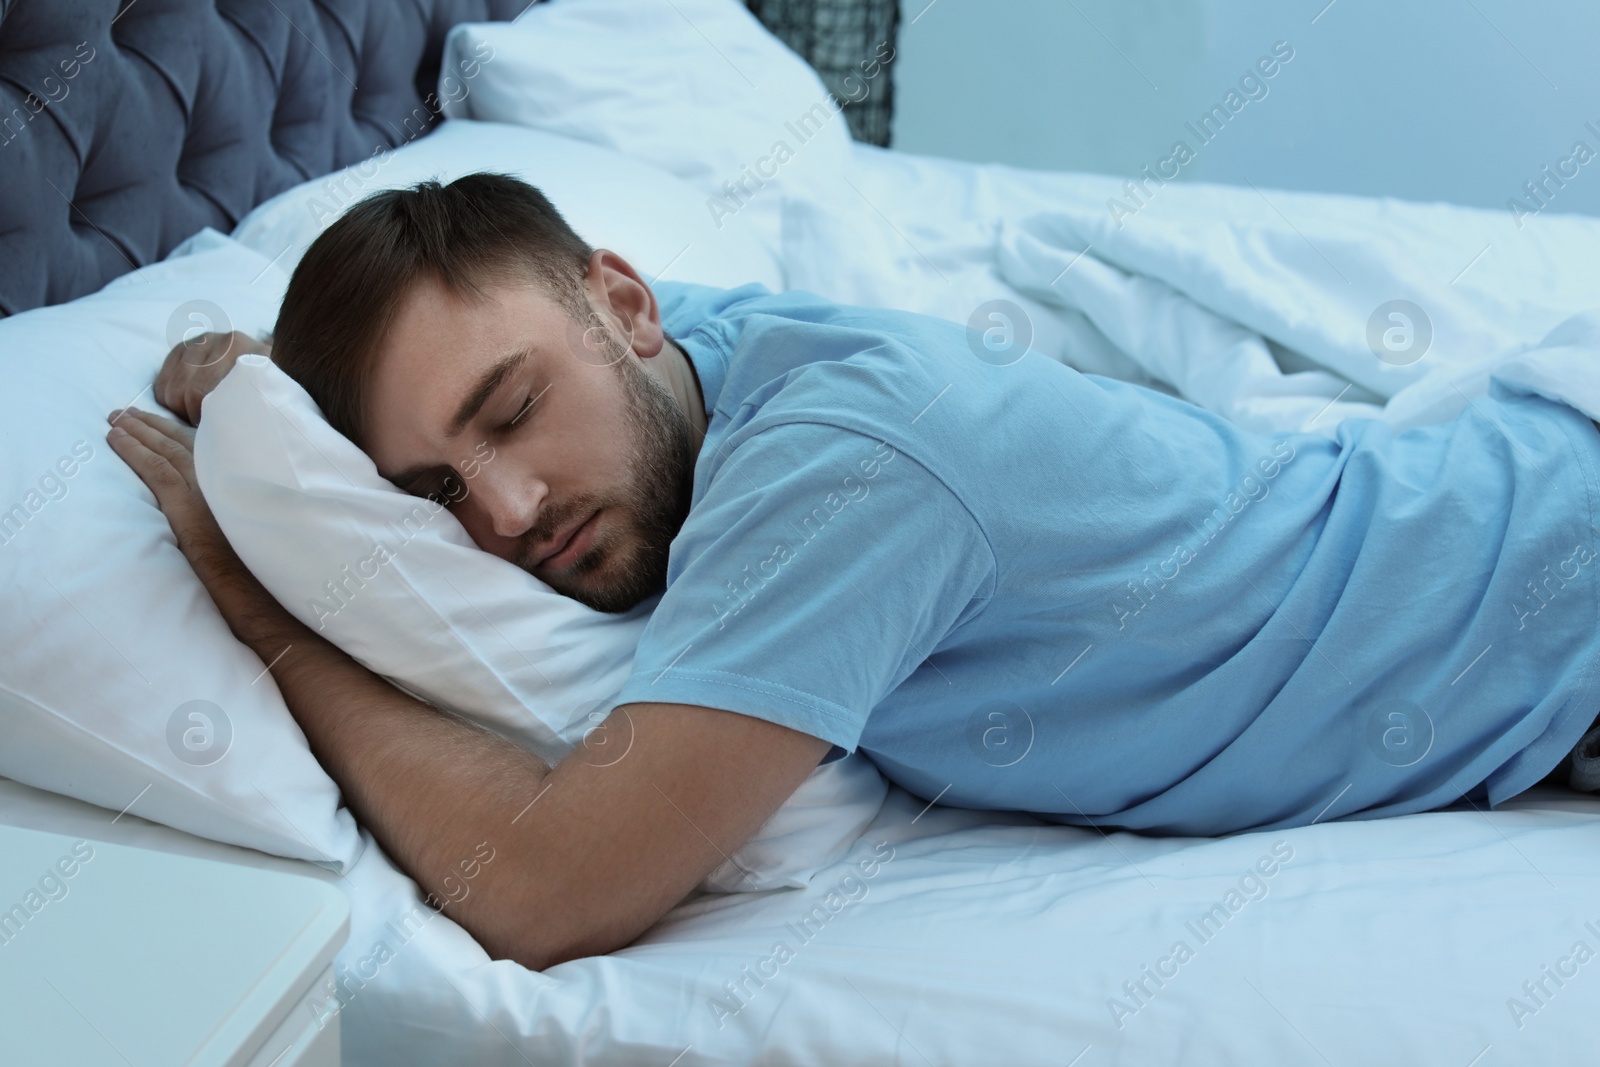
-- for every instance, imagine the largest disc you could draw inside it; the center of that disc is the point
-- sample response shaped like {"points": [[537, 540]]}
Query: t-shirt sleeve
{"points": [[818, 571]]}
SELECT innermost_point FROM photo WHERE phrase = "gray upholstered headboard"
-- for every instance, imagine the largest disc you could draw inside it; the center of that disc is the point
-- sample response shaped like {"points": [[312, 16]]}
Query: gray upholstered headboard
{"points": [[127, 125]]}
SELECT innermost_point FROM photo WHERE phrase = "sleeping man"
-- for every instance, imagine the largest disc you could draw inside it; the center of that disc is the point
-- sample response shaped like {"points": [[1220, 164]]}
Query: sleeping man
{"points": [[1012, 587]]}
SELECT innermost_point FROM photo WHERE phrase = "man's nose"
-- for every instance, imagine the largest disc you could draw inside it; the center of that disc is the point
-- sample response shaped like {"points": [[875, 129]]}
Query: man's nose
{"points": [[510, 500]]}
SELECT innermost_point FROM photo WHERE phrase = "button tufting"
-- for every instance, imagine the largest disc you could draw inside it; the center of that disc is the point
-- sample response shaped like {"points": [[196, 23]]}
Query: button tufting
{"points": [[149, 179]]}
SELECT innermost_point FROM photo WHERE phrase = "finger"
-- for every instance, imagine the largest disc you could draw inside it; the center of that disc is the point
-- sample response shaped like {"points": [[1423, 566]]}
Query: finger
{"points": [[171, 489], [166, 377], [161, 436], [183, 352], [193, 525], [208, 349], [174, 358], [194, 352], [191, 352], [176, 397], [170, 395], [172, 391], [117, 416], [171, 427]]}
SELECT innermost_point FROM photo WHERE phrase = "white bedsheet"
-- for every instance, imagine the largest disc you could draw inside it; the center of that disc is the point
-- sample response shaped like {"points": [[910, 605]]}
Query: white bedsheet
{"points": [[994, 940], [1399, 941]]}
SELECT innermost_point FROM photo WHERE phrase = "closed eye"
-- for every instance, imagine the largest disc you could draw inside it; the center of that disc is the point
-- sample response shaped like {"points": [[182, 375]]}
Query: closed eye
{"points": [[523, 412], [440, 485]]}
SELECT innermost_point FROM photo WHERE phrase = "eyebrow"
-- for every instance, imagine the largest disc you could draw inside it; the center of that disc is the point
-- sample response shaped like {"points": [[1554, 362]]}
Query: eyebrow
{"points": [[488, 384]]}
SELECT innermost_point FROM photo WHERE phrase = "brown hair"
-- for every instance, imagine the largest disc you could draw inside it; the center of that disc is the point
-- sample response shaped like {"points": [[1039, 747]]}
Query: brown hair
{"points": [[344, 294]]}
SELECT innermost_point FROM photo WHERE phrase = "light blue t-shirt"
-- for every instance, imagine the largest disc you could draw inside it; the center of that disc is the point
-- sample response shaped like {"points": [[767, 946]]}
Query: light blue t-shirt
{"points": [[1023, 587]]}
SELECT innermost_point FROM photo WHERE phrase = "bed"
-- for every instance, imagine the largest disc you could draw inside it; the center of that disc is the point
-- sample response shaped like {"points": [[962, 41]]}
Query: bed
{"points": [[939, 936]]}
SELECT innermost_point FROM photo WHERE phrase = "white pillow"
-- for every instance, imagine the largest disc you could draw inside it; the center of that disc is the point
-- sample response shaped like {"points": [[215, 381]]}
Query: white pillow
{"points": [[653, 220], [113, 643], [397, 582], [696, 87]]}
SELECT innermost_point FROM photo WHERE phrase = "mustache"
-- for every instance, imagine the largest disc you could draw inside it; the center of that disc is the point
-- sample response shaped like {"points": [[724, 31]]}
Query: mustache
{"points": [[549, 523]]}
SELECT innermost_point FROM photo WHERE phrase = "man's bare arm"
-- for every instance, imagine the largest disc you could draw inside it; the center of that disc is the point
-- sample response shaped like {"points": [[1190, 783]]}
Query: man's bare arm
{"points": [[586, 856]]}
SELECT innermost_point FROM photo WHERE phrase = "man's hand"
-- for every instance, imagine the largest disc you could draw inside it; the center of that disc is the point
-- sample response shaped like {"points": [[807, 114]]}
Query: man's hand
{"points": [[195, 367], [161, 453]]}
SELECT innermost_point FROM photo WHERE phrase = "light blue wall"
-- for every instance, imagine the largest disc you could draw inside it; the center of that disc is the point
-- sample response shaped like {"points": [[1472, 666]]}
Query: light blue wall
{"points": [[1457, 100]]}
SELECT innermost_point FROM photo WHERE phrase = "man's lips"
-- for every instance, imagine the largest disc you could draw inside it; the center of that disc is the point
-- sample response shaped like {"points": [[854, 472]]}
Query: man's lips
{"points": [[566, 544]]}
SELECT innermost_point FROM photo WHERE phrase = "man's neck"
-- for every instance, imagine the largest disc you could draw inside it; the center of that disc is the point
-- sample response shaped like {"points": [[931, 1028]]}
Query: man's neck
{"points": [[679, 372]]}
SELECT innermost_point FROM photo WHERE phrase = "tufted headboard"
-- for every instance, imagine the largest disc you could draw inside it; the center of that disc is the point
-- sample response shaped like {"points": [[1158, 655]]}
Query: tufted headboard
{"points": [[127, 125]]}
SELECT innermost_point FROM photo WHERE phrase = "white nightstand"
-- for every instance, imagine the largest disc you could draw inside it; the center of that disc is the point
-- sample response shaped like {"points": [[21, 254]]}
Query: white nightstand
{"points": [[117, 955]]}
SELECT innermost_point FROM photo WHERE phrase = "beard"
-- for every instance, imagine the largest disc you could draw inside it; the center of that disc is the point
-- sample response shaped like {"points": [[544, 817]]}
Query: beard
{"points": [[627, 562]]}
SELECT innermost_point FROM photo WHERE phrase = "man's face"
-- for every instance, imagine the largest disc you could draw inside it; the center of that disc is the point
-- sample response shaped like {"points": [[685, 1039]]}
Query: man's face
{"points": [[555, 447]]}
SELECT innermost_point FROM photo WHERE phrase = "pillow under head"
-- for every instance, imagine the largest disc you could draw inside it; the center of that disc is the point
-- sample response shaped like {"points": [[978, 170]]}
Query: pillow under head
{"points": [[396, 581]]}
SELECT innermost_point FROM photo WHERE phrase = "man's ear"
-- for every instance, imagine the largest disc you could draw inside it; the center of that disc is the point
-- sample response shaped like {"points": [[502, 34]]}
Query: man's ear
{"points": [[623, 299]]}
